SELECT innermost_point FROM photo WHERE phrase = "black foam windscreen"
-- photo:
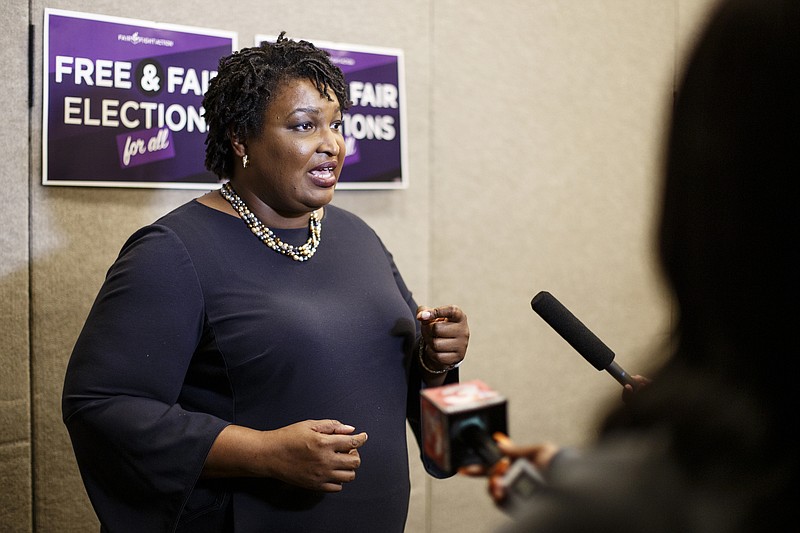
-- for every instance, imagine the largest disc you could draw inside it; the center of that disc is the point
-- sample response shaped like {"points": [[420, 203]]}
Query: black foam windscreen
{"points": [[572, 330]]}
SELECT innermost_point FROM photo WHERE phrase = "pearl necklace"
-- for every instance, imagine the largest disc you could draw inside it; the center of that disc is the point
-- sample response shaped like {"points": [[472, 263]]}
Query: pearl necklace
{"points": [[298, 253]]}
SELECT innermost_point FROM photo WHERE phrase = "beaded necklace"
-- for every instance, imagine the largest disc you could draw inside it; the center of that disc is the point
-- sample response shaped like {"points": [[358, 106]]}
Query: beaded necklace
{"points": [[298, 253]]}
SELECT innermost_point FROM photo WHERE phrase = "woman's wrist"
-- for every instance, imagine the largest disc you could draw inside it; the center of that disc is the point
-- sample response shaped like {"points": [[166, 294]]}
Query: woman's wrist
{"points": [[429, 368], [237, 451]]}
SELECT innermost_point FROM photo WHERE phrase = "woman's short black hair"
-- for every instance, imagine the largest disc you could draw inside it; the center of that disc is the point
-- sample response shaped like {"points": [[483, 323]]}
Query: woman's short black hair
{"points": [[238, 95]]}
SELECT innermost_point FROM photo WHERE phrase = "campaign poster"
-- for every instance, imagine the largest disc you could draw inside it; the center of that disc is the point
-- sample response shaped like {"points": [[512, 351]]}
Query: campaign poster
{"points": [[374, 125], [123, 101]]}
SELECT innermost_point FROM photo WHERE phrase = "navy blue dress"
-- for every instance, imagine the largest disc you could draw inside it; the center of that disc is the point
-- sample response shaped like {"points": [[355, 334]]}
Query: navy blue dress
{"points": [[198, 325]]}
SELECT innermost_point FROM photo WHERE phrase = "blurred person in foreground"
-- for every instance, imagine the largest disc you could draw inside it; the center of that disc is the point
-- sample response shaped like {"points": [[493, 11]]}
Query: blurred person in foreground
{"points": [[712, 444]]}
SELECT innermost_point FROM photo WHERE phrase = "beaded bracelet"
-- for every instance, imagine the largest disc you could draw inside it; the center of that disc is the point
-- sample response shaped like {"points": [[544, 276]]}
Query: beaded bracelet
{"points": [[425, 367]]}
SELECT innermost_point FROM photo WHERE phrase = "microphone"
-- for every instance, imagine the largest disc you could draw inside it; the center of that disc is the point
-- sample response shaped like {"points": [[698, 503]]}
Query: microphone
{"points": [[578, 336], [458, 421]]}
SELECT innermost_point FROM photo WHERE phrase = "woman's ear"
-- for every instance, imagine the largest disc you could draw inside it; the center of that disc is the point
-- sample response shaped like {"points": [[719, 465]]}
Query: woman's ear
{"points": [[239, 146]]}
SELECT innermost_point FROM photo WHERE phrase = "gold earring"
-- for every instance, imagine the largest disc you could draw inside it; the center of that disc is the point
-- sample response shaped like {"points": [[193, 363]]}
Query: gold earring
{"points": [[244, 161]]}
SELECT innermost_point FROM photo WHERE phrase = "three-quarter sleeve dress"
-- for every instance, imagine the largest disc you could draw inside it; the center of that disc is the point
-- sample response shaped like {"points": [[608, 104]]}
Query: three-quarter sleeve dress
{"points": [[199, 325]]}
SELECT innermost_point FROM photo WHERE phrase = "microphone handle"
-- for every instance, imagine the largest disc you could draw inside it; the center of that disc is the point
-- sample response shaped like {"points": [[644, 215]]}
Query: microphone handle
{"points": [[481, 443], [620, 375], [521, 479]]}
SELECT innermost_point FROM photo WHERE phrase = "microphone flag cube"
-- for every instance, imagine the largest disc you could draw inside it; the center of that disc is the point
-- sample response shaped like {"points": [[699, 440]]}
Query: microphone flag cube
{"points": [[449, 411]]}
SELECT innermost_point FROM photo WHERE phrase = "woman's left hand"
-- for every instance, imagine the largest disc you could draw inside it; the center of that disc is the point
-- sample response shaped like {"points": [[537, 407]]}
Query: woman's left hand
{"points": [[445, 334]]}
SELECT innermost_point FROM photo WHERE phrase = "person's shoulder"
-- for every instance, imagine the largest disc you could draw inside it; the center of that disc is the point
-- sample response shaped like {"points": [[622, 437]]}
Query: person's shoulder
{"points": [[336, 212], [195, 220], [631, 475], [338, 215], [191, 210], [170, 226]]}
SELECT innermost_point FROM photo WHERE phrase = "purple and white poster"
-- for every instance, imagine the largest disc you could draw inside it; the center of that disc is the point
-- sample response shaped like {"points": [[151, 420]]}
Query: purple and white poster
{"points": [[374, 125], [123, 101]]}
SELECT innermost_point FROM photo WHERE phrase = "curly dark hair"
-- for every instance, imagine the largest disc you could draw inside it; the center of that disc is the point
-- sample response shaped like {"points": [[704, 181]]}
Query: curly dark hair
{"points": [[238, 95]]}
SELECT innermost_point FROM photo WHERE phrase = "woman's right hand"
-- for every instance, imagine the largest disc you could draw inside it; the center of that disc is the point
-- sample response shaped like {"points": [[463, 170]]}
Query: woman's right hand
{"points": [[312, 454]]}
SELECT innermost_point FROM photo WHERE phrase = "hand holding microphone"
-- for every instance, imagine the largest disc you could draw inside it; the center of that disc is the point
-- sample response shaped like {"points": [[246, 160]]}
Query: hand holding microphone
{"points": [[460, 423], [464, 424], [505, 486]]}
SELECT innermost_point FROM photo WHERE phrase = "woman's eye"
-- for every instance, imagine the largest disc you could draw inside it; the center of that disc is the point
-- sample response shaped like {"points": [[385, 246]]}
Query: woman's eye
{"points": [[305, 126], [337, 125]]}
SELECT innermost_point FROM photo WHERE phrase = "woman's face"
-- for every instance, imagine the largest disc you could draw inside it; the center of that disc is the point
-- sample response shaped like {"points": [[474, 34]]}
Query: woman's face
{"points": [[295, 162]]}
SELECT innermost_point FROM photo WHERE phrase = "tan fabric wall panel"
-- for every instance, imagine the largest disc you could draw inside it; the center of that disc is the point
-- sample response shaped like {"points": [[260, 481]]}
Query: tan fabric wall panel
{"points": [[548, 130], [15, 435]]}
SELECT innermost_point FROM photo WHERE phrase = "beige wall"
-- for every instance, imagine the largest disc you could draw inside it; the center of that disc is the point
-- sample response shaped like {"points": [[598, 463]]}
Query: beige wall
{"points": [[15, 434], [534, 130]]}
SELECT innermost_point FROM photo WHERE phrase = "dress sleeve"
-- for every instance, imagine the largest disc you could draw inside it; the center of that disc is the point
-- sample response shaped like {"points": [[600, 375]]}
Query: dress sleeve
{"points": [[139, 453], [415, 383]]}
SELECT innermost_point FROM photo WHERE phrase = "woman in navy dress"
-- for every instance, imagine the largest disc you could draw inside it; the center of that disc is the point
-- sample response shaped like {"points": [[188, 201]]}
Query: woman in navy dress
{"points": [[252, 358]]}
